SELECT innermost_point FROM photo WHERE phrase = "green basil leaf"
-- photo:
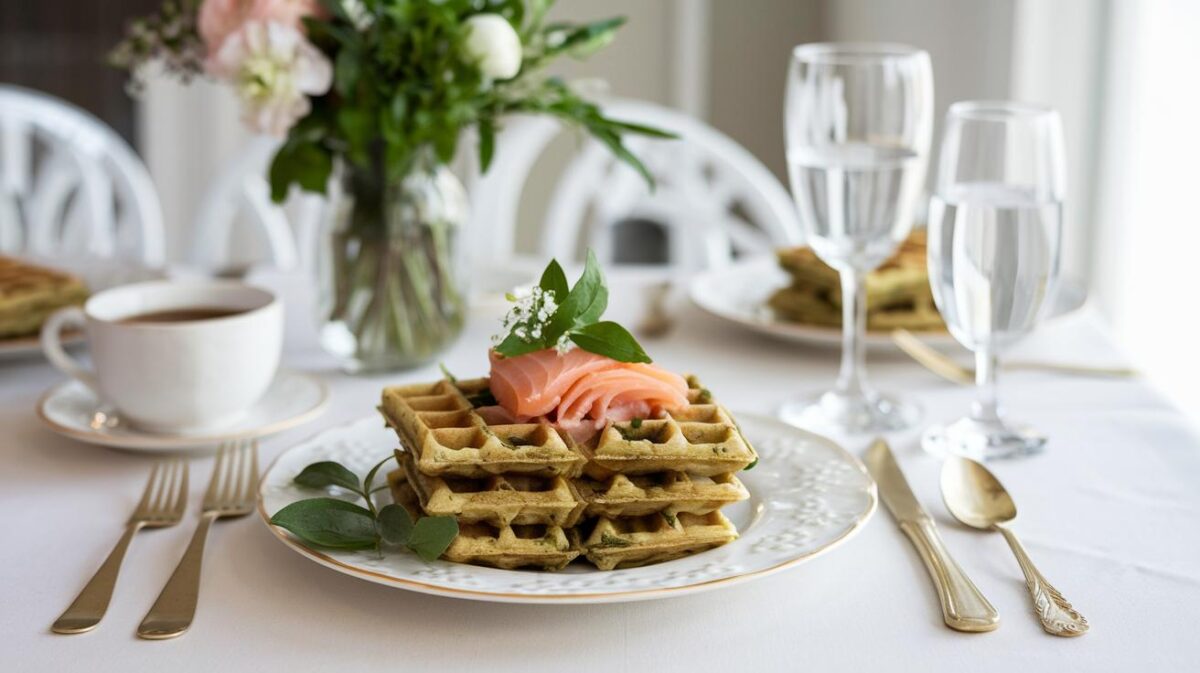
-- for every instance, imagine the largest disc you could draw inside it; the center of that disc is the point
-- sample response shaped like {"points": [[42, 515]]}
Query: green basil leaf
{"points": [[329, 522], [593, 309], [327, 473], [432, 535], [395, 524], [609, 339], [554, 279], [583, 304]]}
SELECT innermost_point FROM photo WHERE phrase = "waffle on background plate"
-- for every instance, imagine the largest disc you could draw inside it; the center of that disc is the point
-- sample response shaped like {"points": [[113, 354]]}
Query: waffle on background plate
{"points": [[528, 495], [30, 293], [898, 292]]}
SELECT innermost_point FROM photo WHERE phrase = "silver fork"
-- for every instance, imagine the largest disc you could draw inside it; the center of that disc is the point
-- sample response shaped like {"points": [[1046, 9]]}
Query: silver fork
{"points": [[230, 494], [162, 505]]}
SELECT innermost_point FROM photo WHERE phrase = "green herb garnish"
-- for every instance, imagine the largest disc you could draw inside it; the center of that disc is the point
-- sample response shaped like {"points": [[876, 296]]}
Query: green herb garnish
{"points": [[483, 398], [670, 518], [341, 524], [446, 373], [551, 316], [608, 540], [635, 423]]}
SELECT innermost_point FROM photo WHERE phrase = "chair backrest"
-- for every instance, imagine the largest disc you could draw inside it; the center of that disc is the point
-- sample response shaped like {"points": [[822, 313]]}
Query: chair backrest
{"points": [[69, 184], [240, 193], [713, 198]]}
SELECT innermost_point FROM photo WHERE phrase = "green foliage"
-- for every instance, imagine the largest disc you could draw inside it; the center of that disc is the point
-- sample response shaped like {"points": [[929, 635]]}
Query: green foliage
{"points": [[575, 318], [340, 524], [402, 88]]}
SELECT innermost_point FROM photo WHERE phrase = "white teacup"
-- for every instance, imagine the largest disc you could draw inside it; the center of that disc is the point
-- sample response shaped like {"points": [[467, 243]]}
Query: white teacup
{"points": [[175, 357]]}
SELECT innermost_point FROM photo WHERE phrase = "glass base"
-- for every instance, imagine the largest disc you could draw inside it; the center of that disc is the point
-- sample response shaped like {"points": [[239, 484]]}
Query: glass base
{"points": [[982, 440], [835, 412]]}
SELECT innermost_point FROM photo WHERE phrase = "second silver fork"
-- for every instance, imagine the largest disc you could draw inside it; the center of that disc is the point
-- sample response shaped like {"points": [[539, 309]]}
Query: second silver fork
{"points": [[230, 494], [162, 505]]}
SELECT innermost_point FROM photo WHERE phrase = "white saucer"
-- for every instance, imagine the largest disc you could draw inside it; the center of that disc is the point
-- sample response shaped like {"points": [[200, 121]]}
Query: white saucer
{"points": [[72, 410]]}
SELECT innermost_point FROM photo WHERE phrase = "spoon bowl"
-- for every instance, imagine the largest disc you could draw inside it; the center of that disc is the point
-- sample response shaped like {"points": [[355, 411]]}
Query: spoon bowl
{"points": [[974, 495]]}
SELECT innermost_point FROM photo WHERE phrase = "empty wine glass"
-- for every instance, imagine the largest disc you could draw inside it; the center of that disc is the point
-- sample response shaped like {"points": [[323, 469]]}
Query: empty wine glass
{"points": [[858, 120], [995, 233]]}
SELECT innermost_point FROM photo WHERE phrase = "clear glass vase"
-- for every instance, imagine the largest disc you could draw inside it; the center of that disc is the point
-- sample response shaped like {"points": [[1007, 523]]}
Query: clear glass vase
{"points": [[389, 265]]}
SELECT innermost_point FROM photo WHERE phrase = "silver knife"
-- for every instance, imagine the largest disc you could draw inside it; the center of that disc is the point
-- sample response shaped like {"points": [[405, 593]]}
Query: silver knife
{"points": [[963, 607]]}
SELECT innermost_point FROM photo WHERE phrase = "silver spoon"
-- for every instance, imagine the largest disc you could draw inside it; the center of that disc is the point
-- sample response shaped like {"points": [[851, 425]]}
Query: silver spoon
{"points": [[975, 497]]}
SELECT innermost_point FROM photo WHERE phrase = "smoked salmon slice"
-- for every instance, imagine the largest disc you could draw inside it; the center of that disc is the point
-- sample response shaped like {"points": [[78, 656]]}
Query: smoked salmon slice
{"points": [[580, 388]]}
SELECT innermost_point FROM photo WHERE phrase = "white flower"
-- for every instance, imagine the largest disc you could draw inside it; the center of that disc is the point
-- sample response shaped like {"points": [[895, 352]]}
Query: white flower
{"points": [[493, 46], [273, 70], [358, 14], [564, 344]]}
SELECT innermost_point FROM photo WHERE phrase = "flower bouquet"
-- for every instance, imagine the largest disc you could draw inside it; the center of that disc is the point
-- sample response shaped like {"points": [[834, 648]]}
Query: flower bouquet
{"points": [[371, 98]]}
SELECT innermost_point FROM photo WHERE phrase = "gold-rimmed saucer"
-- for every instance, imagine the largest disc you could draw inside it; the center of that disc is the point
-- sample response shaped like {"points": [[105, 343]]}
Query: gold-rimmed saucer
{"points": [[72, 410]]}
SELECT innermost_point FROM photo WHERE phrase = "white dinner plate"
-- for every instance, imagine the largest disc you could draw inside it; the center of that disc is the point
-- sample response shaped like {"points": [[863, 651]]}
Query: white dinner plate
{"points": [[807, 495], [739, 292], [98, 274], [71, 409]]}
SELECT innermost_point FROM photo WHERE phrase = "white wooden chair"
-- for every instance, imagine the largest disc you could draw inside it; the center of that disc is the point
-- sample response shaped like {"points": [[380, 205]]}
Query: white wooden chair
{"points": [[70, 185], [714, 199], [241, 195]]}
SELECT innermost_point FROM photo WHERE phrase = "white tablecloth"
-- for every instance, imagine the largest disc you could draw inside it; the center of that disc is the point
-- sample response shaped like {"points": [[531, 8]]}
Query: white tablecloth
{"points": [[1111, 513]]}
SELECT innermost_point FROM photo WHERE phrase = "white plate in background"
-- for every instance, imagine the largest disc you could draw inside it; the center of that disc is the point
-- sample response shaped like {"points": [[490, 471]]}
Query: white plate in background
{"points": [[739, 293]]}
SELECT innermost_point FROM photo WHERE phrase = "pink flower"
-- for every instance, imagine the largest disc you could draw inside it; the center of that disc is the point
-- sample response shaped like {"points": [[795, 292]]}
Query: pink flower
{"points": [[219, 19], [273, 70]]}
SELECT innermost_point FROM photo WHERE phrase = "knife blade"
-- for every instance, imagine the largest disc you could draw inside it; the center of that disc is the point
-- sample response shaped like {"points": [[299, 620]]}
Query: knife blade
{"points": [[963, 606]]}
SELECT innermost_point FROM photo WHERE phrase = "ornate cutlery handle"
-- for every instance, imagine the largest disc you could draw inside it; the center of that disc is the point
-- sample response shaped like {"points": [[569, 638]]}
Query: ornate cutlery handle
{"points": [[172, 613], [1057, 616], [963, 606], [92, 602]]}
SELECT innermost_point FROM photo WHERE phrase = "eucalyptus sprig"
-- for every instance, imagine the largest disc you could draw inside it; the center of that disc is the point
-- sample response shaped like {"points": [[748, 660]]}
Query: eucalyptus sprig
{"points": [[341, 524], [553, 316]]}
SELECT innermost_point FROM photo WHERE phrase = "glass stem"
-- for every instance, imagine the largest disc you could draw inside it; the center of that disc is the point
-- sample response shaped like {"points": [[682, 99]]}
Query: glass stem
{"points": [[852, 377], [985, 408]]}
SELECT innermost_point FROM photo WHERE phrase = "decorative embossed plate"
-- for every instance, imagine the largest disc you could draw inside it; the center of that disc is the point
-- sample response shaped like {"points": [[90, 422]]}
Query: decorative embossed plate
{"points": [[807, 495]]}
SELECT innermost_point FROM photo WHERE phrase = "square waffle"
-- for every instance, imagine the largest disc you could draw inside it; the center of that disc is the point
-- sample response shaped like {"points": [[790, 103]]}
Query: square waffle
{"points": [[509, 546], [670, 492], [498, 500], [898, 292], [701, 439], [30, 293], [438, 424], [634, 541]]}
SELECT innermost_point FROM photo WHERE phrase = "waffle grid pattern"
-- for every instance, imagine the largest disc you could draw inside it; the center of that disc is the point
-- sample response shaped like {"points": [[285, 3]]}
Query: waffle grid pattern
{"points": [[527, 496]]}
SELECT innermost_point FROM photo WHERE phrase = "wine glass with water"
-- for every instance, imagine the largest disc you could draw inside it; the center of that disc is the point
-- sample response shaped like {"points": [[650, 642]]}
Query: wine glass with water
{"points": [[858, 120], [995, 232]]}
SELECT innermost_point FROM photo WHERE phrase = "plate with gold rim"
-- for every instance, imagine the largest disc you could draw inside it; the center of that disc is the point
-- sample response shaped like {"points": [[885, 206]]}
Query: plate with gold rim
{"points": [[807, 496]]}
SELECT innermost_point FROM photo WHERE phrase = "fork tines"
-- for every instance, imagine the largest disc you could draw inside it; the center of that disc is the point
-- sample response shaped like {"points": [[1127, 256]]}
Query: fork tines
{"points": [[235, 477]]}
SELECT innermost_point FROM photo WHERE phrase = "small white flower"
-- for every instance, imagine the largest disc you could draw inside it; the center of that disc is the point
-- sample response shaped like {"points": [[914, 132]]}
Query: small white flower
{"points": [[564, 344], [358, 14], [493, 46]]}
